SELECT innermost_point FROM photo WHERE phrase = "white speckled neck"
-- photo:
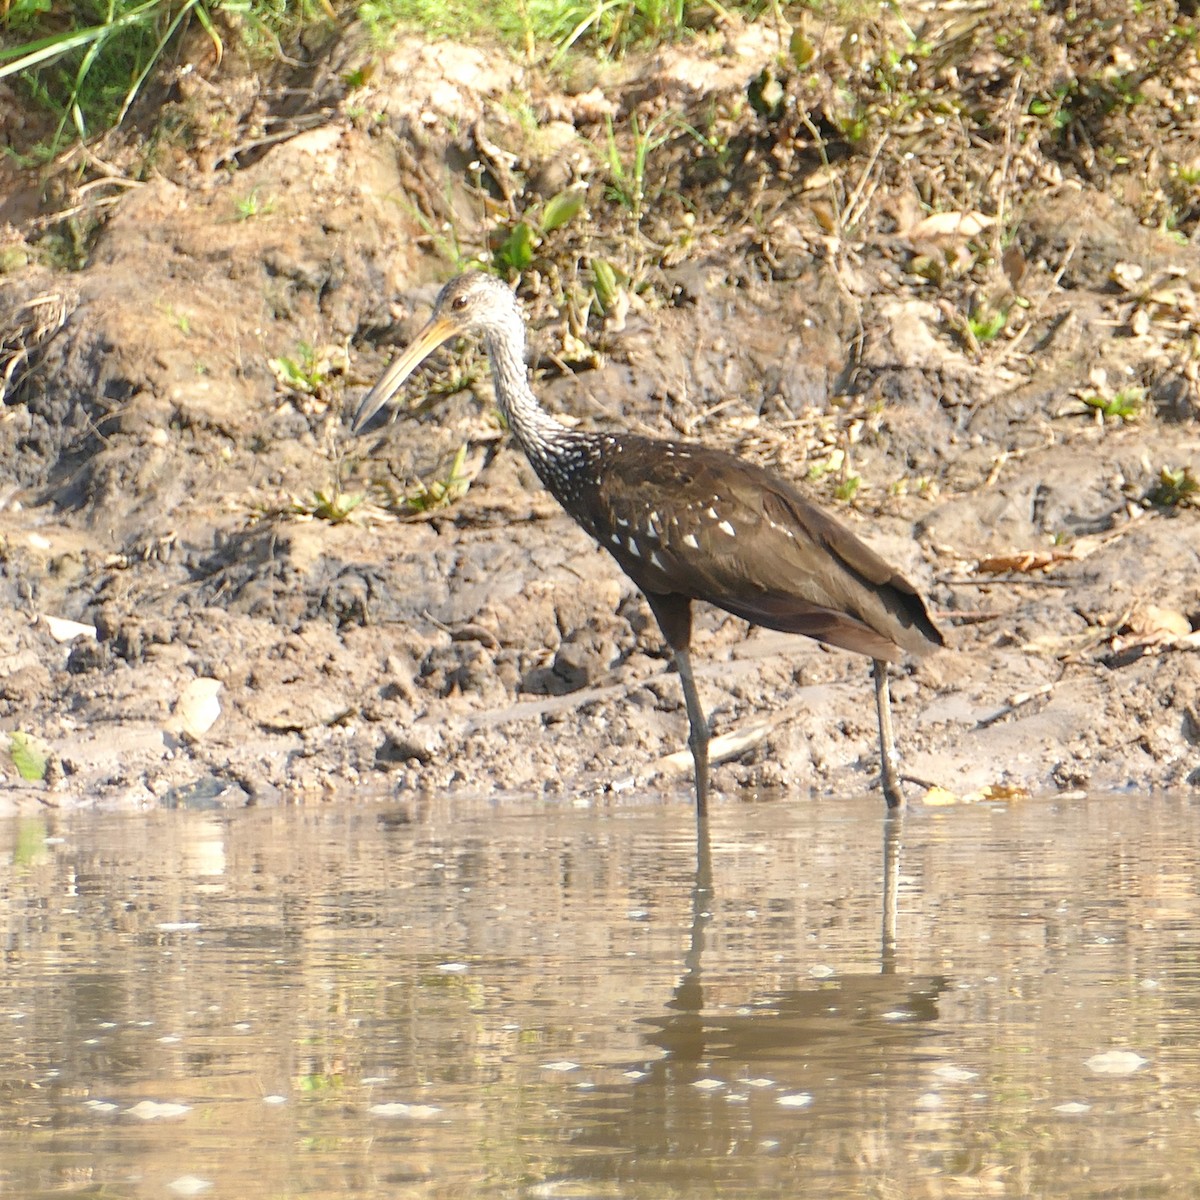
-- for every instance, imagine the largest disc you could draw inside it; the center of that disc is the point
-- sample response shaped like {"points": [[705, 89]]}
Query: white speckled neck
{"points": [[560, 456]]}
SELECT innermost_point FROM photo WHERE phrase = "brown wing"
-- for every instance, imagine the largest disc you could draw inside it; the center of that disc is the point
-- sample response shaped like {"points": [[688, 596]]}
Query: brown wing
{"points": [[687, 520]]}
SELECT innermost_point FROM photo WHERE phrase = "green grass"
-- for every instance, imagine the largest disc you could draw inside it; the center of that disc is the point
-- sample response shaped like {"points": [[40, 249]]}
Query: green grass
{"points": [[87, 62], [88, 68], [439, 493], [544, 28]]}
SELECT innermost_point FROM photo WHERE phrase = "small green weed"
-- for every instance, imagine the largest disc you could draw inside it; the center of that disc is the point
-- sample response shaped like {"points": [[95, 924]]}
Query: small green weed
{"points": [[310, 369], [627, 180], [1176, 487], [441, 492], [1188, 176], [988, 324], [27, 756], [513, 249], [848, 488], [607, 284], [334, 506], [180, 320], [1125, 405], [835, 462], [251, 206]]}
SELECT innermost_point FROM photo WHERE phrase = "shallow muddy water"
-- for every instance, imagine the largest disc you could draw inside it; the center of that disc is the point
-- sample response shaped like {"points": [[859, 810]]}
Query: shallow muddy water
{"points": [[464, 998]]}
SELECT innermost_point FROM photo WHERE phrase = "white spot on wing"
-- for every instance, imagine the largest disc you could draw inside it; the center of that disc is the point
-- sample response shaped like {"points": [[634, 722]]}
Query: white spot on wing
{"points": [[633, 549], [689, 539], [658, 562], [727, 528]]}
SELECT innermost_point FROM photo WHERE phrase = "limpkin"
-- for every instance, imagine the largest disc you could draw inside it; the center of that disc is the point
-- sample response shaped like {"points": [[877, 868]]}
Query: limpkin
{"points": [[686, 522]]}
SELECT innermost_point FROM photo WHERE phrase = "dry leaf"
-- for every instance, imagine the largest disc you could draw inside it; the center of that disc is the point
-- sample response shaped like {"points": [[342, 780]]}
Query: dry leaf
{"points": [[940, 797], [1024, 561], [1150, 626], [1152, 621], [949, 227], [1008, 792], [1014, 264]]}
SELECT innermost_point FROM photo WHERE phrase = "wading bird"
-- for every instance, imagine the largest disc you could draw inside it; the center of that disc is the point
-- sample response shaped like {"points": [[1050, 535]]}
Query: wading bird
{"points": [[686, 523]]}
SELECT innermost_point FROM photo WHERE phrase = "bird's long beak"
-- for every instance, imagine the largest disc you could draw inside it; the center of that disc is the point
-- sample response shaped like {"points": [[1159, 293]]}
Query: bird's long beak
{"points": [[438, 331]]}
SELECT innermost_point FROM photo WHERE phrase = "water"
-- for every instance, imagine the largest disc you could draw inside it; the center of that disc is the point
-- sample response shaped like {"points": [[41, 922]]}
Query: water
{"points": [[461, 998]]}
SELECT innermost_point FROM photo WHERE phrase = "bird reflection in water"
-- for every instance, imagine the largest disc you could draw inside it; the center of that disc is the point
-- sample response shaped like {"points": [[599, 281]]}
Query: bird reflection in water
{"points": [[867, 1013]]}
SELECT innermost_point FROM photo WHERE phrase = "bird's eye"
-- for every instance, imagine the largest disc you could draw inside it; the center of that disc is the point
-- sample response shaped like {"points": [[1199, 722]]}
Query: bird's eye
{"points": [[458, 303]]}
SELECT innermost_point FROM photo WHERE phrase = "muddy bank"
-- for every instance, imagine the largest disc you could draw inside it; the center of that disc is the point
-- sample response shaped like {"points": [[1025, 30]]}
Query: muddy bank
{"points": [[177, 460]]}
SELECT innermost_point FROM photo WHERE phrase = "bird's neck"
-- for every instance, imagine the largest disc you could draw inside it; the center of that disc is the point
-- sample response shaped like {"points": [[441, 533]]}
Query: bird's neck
{"points": [[538, 433]]}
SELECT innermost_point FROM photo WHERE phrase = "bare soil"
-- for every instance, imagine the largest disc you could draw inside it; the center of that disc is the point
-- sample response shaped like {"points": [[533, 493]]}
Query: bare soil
{"points": [[794, 288]]}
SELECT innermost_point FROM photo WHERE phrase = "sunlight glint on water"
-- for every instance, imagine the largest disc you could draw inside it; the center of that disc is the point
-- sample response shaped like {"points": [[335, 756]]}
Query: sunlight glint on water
{"points": [[510, 999]]}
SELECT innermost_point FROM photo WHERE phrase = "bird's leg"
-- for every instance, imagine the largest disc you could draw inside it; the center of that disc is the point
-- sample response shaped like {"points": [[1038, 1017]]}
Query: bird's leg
{"points": [[887, 743], [697, 728], [674, 616]]}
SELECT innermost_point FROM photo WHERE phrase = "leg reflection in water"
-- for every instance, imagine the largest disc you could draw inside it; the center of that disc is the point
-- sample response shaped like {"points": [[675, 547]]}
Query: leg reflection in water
{"points": [[857, 1010]]}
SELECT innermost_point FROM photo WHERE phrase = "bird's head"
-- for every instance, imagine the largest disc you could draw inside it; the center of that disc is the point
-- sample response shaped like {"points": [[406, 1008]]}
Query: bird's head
{"points": [[473, 303]]}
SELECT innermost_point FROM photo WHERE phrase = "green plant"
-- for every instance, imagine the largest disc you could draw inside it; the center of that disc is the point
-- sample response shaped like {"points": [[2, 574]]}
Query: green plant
{"points": [[334, 506], [515, 253], [837, 464], [987, 324], [27, 756], [848, 488], [90, 72], [180, 320], [310, 369], [627, 180], [607, 284], [440, 492], [90, 75], [251, 206], [1125, 405], [613, 24], [1175, 488]]}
